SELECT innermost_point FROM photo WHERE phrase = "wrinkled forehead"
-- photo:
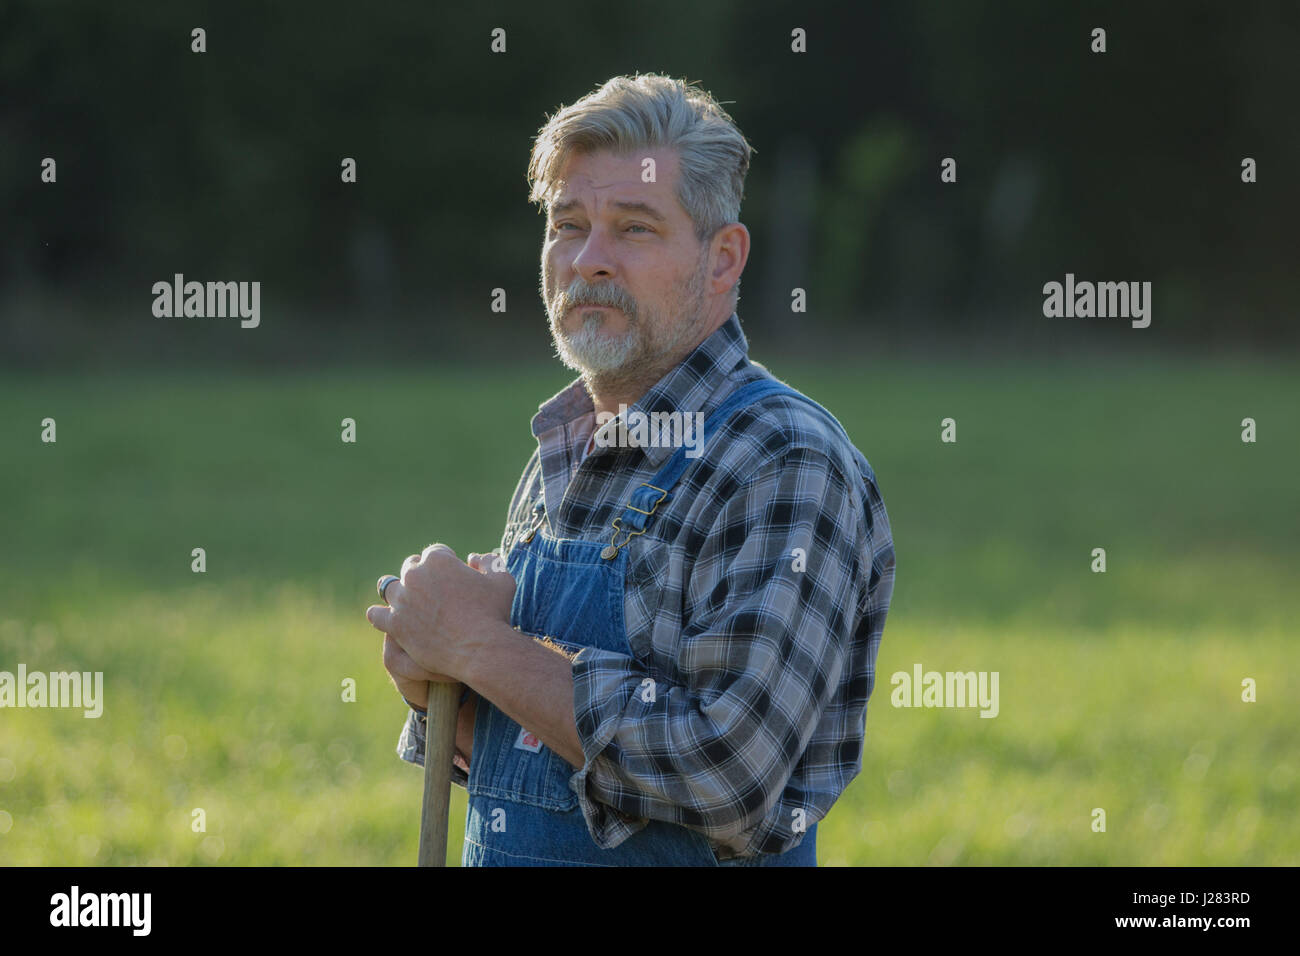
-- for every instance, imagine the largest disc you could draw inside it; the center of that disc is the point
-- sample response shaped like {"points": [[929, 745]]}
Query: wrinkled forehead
{"points": [[645, 175]]}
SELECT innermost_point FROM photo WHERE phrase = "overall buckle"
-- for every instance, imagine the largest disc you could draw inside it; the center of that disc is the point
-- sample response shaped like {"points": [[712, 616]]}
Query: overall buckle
{"points": [[610, 551]]}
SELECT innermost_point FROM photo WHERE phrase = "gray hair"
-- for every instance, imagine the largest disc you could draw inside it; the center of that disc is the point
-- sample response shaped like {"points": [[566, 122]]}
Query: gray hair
{"points": [[646, 111]]}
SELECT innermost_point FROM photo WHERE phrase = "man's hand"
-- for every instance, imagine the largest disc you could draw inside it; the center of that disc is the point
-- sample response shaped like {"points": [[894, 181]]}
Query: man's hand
{"points": [[411, 680], [409, 677], [452, 621], [436, 610]]}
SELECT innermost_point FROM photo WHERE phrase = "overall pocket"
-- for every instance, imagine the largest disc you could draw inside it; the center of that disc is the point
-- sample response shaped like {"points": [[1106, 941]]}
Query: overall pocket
{"points": [[509, 764]]}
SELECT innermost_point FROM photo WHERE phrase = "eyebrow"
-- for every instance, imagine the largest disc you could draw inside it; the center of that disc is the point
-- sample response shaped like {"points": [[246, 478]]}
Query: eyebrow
{"points": [[623, 204]]}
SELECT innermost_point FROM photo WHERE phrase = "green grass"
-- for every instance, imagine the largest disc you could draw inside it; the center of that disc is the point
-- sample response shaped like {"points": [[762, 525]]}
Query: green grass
{"points": [[223, 690]]}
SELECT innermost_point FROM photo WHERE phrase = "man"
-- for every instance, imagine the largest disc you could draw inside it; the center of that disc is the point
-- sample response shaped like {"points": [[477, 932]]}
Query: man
{"points": [[673, 665]]}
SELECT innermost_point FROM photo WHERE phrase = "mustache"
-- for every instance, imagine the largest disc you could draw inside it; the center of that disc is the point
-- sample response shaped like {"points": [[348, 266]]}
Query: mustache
{"points": [[581, 293]]}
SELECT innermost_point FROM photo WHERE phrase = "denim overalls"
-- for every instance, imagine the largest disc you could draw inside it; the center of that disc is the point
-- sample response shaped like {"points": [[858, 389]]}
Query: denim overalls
{"points": [[521, 811]]}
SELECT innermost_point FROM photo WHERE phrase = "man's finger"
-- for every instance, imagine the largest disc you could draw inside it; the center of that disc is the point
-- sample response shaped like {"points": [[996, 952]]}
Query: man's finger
{"points": [[408, 563], [379, 616], [433, 548], [399, 664], [486, 563], [394, 593]]}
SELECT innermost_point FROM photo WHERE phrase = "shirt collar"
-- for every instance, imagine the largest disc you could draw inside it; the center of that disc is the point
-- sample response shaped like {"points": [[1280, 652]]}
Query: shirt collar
{"points": [[687, 388]]}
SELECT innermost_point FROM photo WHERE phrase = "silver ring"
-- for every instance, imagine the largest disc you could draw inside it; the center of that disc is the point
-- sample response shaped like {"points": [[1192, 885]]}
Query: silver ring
{"points": [[386, 580]]}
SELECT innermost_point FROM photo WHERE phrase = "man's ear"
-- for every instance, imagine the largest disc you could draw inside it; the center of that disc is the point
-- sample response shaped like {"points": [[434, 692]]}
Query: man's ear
{"points": [[729, 251]]}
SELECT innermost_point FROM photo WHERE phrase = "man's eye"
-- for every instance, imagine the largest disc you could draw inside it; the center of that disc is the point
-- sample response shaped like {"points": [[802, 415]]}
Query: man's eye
{"points": [[559, 227]]}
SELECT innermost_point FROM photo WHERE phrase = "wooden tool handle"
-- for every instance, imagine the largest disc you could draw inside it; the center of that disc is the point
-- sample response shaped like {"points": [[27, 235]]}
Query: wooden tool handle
{"points": [[439, 749]]}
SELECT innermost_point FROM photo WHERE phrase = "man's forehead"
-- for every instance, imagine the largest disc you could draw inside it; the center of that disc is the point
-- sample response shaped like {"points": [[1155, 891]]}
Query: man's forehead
{"points": [[610, 177]]}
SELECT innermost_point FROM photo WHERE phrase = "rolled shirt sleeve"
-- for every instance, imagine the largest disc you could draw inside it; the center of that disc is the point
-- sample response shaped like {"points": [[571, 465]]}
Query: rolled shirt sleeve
{"points": [[772, 607]]}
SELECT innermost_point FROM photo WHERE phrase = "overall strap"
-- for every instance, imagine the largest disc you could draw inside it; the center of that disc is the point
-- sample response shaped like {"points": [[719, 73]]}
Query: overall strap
{"points": [[648, 496]]}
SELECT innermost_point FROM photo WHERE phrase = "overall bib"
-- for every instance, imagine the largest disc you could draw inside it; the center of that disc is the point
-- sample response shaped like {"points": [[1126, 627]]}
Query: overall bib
{"points": [[521, 810]]}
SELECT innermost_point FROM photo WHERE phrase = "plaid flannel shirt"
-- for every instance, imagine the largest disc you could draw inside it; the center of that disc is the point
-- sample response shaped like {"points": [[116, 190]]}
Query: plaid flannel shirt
{"points": [[756, 601]]}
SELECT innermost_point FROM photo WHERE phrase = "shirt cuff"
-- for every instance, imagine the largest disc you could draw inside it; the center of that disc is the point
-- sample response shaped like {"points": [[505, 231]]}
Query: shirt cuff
{"points": [[604, 683], [410, 747]]}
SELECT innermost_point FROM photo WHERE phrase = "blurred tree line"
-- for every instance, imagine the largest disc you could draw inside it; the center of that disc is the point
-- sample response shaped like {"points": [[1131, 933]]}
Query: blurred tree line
{"points": [[226, 165]]}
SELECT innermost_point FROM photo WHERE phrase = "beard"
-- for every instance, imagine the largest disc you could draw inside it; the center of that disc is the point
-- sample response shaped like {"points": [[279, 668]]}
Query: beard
{"points": [[593, 352], [651, 343]]}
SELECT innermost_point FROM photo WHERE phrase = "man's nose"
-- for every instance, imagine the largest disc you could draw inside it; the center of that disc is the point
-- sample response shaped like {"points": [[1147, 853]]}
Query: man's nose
{"points": [[596, 258]]}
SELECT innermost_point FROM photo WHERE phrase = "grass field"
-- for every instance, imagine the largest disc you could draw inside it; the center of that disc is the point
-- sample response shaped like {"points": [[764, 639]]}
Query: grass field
{"points": [[223, 690]]}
